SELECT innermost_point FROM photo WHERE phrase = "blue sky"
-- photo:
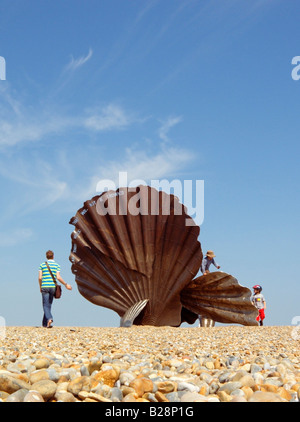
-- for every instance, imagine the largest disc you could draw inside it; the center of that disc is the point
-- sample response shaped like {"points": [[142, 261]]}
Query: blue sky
{"points": [[181, 89]]}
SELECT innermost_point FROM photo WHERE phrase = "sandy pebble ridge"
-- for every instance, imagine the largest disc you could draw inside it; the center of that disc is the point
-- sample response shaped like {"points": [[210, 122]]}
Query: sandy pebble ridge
{"points": [[150, 364]]}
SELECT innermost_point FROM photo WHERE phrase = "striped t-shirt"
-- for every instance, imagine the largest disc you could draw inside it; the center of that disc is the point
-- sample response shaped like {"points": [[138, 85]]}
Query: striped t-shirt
{"points": [[47, 280]]}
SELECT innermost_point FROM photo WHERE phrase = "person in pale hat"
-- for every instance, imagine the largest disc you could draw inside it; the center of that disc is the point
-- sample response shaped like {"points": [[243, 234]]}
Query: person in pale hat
{"points": [[207, 261]]}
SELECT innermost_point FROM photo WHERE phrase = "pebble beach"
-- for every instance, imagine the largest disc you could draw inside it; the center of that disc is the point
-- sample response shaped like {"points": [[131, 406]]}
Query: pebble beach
{"points": [[150, 364]]}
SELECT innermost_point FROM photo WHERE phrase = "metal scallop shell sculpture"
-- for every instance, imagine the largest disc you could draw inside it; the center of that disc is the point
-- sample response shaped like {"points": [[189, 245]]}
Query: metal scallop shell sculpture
{"points": [[136, 251]]}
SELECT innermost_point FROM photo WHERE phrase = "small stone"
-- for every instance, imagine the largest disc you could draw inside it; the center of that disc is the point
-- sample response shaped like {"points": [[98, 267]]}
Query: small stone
{"points": [[296, 387], [217, 364], [273, 381], [33, 396], [204, 389], [142, 386], [126, 377], [288, 364], [160, 397], [10, 384], [172, 397], [107, 376], [246, 367], [173, 362], [83, 395], [42, 363], [238, 399], [255, 368], [151, 397], [239, 374], [271, 388], [65, 397], [223, 396], [79, 384], [229, 387], [127, 390], [131, 397], [238, 392], [187, 386], [213, 388], [16, 368], [210, 365], [39, 375], [248, 392], [191, 396], [17, 396], [260, 396], [247, 381], [213, 399], [224, 376], [46, 388], [84, 371], [3, 395], [284, 393], [258, 378], [103, 390], [95, 365], [53, 375], [166, 386], [100, 398], [116, 394], [62, 386]]}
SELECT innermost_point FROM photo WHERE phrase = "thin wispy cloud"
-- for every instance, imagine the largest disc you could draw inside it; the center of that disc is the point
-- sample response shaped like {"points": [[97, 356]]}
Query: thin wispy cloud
{"points": [[149, 5], [109, 117], [42, 183], [141, 166], [76, 63], [167, 125], [15, 237], [15, 131], [38, 183], [20, 124]]}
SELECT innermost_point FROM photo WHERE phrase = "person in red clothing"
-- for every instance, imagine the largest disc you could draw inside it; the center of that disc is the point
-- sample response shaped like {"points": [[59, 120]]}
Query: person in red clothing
{"points": [[259, 302]]}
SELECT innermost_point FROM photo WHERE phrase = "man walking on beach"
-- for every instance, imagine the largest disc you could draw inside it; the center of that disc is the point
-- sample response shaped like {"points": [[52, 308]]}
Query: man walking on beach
{"points": [[47, 286]]}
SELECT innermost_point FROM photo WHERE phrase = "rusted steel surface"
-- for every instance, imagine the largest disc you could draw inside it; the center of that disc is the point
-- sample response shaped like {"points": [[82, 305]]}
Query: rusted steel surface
{"points": [[134, 252], [220, 297], [128, 246]]}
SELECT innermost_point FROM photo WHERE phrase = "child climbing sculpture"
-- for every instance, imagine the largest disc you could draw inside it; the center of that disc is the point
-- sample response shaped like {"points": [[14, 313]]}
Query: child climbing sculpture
{"points": [[207, 261]]}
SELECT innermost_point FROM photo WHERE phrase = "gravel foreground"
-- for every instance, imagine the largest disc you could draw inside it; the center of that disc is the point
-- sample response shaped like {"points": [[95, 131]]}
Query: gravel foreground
{"points": [[150, 364]]}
